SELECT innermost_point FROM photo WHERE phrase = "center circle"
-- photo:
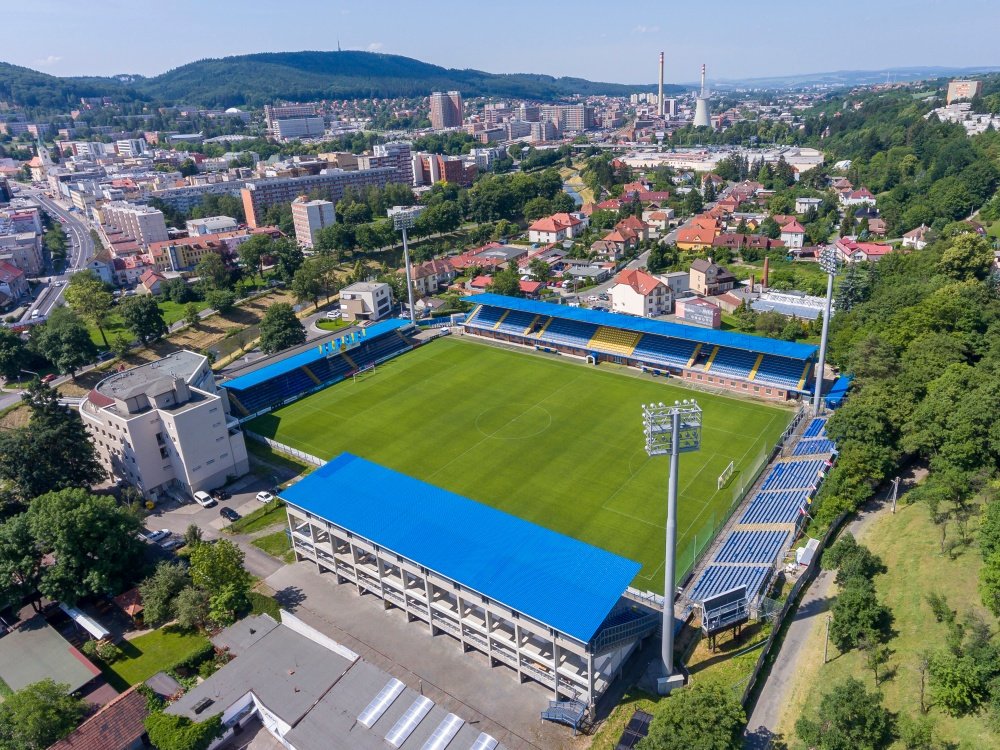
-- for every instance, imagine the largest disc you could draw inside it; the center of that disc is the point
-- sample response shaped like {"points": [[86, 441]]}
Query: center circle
{"points": [[514, 421]]}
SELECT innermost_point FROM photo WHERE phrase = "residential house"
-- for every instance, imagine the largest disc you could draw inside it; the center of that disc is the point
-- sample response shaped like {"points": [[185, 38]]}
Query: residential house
{"points": [[658, 219], [151, 282], [637, 225], [916, 238], [852, 251], [793, 235], [857, 197], [677, 281], [118, 725], [431, 276], [558, 227], [606, 249], [698, 234], [638, 293], [13, 281], [877, 227], [623, 239], [739, 242], [804, 205], [709, 278]]}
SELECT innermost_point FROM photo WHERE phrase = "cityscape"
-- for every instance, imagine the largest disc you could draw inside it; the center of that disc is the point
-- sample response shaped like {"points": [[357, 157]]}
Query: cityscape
{"points": [[374, 397]]}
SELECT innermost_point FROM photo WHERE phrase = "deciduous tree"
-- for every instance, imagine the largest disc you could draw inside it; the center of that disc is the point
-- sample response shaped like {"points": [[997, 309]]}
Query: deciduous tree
{"points": [[39, 715], [706, 716], [280, 329], [143, 317], [64, 341], [89, 298], [848, 717]]}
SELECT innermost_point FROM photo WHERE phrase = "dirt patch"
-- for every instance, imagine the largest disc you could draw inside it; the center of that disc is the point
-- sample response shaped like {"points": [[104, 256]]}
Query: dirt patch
{"points": [[16, 417]]}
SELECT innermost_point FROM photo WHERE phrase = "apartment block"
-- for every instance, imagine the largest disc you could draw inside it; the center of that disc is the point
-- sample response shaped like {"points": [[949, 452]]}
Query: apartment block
{"points": [[259, 195], [144, 224], [211, 225], [366, 300], [309, 217], [446, 110]]}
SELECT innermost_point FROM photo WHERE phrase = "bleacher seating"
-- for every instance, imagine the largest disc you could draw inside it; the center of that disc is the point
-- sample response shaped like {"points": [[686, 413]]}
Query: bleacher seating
{"points": [[275, 391], [614, 340], [487, 317], [516, 322], [779, 371], [775, 507], [662, 350], [569, 333], [715, 579], [814, 447], [328, 370], [735, 363], [752, 547], [793, 475], [816, 428], [381, 348]]}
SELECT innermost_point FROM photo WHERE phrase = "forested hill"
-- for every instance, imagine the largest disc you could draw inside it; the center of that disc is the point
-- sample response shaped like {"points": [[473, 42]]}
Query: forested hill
{"points": [[297, 76]]}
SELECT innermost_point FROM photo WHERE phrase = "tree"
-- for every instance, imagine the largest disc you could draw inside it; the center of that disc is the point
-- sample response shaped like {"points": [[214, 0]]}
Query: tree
{"points": [[968, 257], [64, 341], [848, 717], [20, 561], [706, 716], [39, 715], [89, 298], [159, 593], [280, 329], [218, 570], [177, 290], [253, 251], [539, 270], [506, 282], [876, 655], [307, 283], [287, 258], [989, 583], [52, 452], [169, 732], [143, 317], [191, 608], [693, 202], [212, 272], [191, 314], [14, 353], [222, 300], [852, 559], [536, 208], [857, 614], [93, 541], [957, 683]]}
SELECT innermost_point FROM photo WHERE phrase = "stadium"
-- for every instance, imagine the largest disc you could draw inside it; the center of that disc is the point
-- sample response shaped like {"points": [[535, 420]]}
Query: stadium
{"points": [[442, 456]]}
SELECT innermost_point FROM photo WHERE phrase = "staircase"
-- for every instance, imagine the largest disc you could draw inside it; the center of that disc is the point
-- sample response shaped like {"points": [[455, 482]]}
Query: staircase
{"points": [[566, 712], [624, 625]]}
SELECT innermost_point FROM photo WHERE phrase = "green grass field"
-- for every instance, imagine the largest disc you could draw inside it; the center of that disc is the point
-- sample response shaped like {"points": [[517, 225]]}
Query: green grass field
{"points": [[553, 441]]}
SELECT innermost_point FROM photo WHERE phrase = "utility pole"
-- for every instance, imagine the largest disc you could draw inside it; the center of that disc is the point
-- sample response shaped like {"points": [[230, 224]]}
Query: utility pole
{"points": [[826, 644]]}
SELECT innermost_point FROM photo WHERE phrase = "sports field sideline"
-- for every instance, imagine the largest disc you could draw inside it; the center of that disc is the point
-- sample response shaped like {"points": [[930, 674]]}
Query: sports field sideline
{"points": [[552, 441]]}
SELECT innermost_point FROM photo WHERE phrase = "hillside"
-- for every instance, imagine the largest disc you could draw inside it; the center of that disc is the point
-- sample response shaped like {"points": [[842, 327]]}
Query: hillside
{"points": [[297, 76]]}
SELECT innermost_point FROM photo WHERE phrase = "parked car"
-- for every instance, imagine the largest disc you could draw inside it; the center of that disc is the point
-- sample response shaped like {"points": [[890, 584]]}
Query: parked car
{"points": [[229, 514], [172, 544], [264, 496], [204, 499], [333, 315], [220, 494], [49, 378], [155, 536]]}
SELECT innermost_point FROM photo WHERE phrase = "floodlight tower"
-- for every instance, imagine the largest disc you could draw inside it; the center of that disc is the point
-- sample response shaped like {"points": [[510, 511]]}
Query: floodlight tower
{"points": [[671, 430], [830, 263], [403, 218]]}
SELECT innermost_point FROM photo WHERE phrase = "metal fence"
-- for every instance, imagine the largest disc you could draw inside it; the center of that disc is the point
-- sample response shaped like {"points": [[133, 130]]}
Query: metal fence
{"points": [[286, 449], [790, 605]]}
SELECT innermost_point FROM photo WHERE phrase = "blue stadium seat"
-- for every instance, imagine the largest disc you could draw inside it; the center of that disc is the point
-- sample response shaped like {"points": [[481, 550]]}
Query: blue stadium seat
{"points": [[487, 317], [516, 322], [715, 579], [814, 447], [735, 363], [752, 547], [780, 371], [793, 475], [663, 350], [379, 349], [816, 428], [569, 333], [775, 507]]}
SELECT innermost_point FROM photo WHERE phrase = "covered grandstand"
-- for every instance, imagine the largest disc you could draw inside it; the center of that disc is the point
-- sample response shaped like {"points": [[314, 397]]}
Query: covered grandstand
{"points": [[762, 367], [290, 375], [547, 606]]}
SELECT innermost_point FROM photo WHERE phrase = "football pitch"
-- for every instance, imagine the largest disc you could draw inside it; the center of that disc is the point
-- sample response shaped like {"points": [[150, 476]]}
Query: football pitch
{"points": [[552, 441]]}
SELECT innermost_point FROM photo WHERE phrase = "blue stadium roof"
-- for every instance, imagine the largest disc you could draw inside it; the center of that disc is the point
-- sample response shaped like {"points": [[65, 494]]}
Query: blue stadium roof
{"points": [[561, 582], [757, 344], [310, 355]]}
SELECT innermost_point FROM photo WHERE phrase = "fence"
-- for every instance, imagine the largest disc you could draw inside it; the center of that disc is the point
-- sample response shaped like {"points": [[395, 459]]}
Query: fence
{"points": [[286, 449], [790, 604]]}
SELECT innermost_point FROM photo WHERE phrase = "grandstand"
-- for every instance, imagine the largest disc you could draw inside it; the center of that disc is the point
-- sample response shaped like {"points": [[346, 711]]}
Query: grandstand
{"points": [[290, 375], [750, 552], [751, 365], [547, 606]]}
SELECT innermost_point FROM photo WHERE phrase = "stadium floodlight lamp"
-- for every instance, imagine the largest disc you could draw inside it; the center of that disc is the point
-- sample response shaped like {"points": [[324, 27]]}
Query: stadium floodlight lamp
{"points": [[670, 431], [829, 259], [404, 217]]}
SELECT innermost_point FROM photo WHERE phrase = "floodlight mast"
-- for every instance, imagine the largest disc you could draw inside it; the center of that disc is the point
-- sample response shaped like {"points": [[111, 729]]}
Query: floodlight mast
{"points": [[828, 261], [403, 218], [671, 430]]}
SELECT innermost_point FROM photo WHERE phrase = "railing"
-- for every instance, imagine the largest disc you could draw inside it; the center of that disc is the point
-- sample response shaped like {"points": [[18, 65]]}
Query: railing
{"points": [[612, 636], [286, 449]]}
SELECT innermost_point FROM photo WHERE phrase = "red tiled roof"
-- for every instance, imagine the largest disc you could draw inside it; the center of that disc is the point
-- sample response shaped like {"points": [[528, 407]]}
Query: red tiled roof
{"points": [[531, 287], [793, 227], [9, 272], [114, 727], [633, 223], [640, 281]]}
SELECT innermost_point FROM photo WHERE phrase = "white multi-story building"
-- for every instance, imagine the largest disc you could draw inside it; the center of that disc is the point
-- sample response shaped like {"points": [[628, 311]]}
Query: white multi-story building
{"points": [[211, 225], [130, 147], [298, 127], [366, 300], [309, 217], [163, 427], [637, 293], [144, 224]]}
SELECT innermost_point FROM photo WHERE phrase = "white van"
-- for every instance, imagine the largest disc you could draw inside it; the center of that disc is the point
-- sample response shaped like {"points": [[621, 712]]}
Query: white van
{"points": [[204, 499]]}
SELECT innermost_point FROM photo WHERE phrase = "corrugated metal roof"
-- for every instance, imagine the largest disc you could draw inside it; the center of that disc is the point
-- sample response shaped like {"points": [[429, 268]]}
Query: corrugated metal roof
{"points": [[312, 354], [743, 341], [559, 581]]}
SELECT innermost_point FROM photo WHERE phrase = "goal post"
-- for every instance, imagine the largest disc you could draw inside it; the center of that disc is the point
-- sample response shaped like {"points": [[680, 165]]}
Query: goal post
{"points": [[726, 475], [369, 368]]}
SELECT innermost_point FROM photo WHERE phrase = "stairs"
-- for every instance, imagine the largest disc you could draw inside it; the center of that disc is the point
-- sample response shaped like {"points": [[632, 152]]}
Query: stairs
{"points": [[310, 373], [614, 340], [625, 624], [756, 366], [502, 319], [694, 355], [711, 359]]}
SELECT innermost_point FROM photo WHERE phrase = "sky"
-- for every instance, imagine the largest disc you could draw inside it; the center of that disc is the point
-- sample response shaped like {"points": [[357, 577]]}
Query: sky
{"points": [[600, 41]]}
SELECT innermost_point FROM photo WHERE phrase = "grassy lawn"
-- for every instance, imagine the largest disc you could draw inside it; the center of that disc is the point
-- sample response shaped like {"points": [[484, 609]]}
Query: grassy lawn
{"points": [[908, 544], [276, 545], [262, 604], [332, 325], [148, 654], [550, 440], [265, 516], [607, 736], [172, 312], [263, 452]]}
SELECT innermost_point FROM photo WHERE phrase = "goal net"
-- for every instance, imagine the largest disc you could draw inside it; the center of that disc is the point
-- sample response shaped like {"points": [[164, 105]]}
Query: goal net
{"points": [[363, 371], [726, 475]]}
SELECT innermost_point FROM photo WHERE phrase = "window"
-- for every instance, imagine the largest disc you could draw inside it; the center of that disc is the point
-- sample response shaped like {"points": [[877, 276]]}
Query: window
{"points": [[209, 462]]}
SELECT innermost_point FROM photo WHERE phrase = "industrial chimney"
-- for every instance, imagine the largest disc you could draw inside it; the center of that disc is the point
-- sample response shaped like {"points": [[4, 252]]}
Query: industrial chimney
{"points": [[702, 117], [659, 95]]}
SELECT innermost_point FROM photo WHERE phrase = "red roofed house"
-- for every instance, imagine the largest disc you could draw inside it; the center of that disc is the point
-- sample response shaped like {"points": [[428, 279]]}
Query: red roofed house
{"points": [[622, 239], [531, 289], [637, 293], [698, 234], [654, 196], [877, 226], [637, 225], [429, 277], [13, 282], [857, 197], [793, 235], [119, 725], [851, 251], [659, 220], [151, 282], [630, 189], [480, 283], [557, 227], [612, 204]]}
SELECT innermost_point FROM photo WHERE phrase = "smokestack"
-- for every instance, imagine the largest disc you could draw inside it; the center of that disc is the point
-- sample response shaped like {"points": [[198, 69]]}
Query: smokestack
{"points": [[703, 79], [763, 279], [659, 97]]}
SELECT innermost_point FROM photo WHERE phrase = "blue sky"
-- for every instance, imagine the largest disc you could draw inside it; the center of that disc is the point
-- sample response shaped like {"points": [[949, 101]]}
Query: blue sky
{"points": [[608, 41]]}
